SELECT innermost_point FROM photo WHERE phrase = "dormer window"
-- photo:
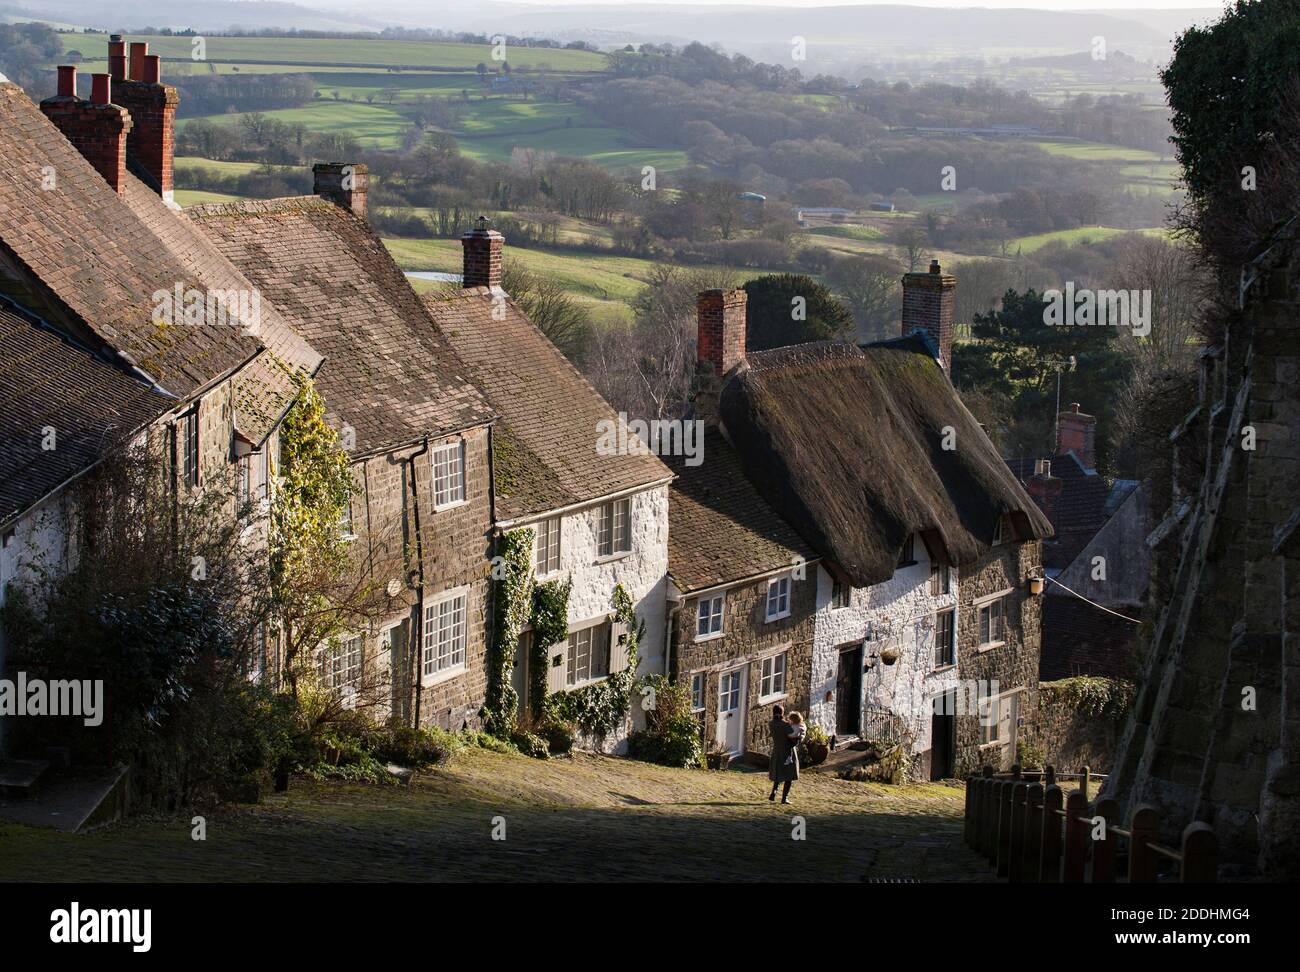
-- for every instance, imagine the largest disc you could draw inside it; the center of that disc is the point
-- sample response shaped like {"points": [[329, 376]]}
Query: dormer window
{"points": [[908, 556]]}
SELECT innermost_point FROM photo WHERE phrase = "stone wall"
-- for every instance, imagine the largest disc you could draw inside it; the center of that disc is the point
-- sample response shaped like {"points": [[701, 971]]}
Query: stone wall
{"points": [[747, 639], [1069, 736], [1013, 664]]}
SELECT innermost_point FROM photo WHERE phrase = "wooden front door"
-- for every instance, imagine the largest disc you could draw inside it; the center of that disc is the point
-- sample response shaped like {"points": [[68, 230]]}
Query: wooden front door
{"points": [[731, 711], [848, 693], [943, 728]]}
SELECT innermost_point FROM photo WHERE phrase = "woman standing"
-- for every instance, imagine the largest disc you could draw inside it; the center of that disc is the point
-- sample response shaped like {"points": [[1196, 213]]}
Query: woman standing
{"points": [[783, 766]]}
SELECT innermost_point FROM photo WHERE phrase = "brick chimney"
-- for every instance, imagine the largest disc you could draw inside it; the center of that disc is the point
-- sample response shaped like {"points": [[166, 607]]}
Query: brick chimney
{"points": [[152, 104], [482, 255], [343, 183], [1077, 433], [720, 345], [1044, 488], [97, 128], [928, 305]]}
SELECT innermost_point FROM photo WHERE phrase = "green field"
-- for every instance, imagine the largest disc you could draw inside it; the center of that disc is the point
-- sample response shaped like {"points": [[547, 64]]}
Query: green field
{"points": [[865, 234], [344, 53], [374, 126], [194, 197], [1082, 236], [1096, 151]]}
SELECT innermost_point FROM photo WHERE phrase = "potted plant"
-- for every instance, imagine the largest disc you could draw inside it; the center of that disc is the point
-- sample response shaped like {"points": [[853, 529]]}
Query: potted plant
{"points": [[718, 757], [816, 745]]}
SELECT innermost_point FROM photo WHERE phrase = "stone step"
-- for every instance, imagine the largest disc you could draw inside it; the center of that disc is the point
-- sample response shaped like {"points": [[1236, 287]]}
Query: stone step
{"points": [[20, 778]]}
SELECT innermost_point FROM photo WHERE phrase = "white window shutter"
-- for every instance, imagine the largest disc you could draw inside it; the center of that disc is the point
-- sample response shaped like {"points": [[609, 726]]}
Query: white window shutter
{"points": [[618, 645], [555, 673]]}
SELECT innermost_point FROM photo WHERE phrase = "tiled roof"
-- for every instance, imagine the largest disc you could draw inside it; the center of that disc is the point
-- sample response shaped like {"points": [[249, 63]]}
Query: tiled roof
{"points": [[549, 410], [1081, 639], [100, 258], [1086, 501], [47, 383], [386, 373], [719, 528]]}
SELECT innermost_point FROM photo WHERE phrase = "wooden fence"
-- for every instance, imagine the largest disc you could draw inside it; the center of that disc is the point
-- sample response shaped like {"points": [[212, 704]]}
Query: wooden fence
{"points": [[1026, 828]]}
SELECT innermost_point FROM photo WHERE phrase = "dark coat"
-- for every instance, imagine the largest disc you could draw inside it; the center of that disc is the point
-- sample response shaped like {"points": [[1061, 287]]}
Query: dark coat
{"points": [[784, 762]]}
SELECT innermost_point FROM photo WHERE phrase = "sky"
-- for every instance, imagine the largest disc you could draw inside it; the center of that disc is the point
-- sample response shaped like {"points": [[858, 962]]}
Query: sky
{"points": [[1115, 5]]}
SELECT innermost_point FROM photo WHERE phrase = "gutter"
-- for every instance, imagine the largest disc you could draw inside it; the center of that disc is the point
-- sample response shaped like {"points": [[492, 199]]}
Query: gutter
{"points": [[418, 640]]}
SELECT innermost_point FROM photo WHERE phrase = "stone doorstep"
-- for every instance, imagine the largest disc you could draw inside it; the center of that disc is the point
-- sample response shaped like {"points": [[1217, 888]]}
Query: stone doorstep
{"points": [[71, 800], [20, 778]]}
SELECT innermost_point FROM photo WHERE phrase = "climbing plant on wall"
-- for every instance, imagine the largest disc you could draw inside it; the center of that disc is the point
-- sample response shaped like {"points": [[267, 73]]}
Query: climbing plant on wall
{"points": [[550, 627], [512, 577], [599, 708]]}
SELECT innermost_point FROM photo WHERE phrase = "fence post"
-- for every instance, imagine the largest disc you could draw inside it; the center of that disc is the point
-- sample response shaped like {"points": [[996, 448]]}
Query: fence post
{"points": [[1002, 846], [1015, 771], [968, 821], [1049, 775], [1084, 781], [1145, 827], [1033, 838], [983, 840], [1103, 851], [1049, 868], [1016, 850], [1200, 854], [1076, 837]]}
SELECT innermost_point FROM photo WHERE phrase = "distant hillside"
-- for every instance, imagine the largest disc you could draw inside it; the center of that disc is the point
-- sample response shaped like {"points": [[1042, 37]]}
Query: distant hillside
{"points": [[213, 15]]}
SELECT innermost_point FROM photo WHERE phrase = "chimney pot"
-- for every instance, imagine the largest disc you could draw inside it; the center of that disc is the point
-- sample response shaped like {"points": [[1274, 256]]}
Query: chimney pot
{"points": [[934, 266], [721, 319], [1077, 433], [139, 50], [67, 81], [482, 248], [928, 301], [117, 57], [101, 89], [152, 69]]}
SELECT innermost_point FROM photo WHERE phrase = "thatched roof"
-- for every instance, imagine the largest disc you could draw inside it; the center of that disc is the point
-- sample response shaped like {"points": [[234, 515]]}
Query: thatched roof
{"points": [[846, 443]]}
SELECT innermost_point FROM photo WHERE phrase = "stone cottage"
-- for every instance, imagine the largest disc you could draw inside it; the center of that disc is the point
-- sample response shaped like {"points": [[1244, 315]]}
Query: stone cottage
{"points": [[923, 544], [596, 501]]}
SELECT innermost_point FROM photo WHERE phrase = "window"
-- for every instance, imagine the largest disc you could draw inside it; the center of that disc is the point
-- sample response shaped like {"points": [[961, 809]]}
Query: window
{"points": [[257, 655], [943, 639], [546, 550], [341, 663], [697, 692], [614, 528], [908, 555], [940, 579], [998, 533], [841, 595], [189, 432], [992, 623], [989, 719], [778, 598], [449, 475], [773, 682], [588, 654], [345, 522], [709, 620], [444, 634], [244, 488]]}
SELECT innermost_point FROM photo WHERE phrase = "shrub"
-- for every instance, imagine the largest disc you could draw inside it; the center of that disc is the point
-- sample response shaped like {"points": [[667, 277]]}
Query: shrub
{"points": [[531, 744], [559, 734], [672, 733]]}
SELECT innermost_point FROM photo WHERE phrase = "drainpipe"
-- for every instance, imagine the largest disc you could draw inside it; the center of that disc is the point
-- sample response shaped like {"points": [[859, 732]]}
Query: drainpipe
{"points": [[418, 628], [669, 654]]}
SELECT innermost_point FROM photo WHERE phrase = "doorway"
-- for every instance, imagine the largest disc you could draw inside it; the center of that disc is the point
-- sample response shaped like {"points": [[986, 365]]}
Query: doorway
{"points": [[943, 740], [731, 710], [848, 693]]}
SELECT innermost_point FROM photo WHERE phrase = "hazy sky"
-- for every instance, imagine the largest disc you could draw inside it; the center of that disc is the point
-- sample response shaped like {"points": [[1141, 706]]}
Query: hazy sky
{"points": [[1004, 4]]}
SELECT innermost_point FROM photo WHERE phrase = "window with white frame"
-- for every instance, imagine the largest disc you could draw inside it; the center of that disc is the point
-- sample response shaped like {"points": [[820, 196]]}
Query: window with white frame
{"points": [[614, 528], [341, 663], [243, 482], [588, 654], [697, 692], [944, 642], [264, 488], [546, 559], [449, 474], [993, 622], [708, 622], [257, 660], [773, 680], [778, 598], [445, 634]]}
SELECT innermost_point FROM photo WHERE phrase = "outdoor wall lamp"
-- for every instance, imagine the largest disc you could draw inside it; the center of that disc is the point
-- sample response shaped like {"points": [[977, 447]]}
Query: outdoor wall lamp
{"points": [[1036, 583]]}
